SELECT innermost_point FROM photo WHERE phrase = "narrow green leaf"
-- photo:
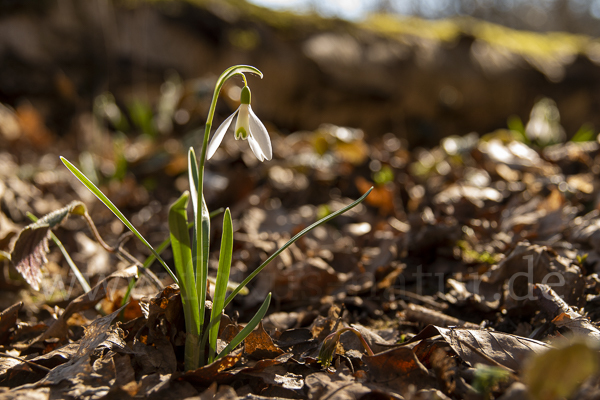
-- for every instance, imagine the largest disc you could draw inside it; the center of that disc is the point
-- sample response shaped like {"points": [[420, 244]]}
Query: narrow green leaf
{"points": [[199, 234], [221, 284], [292, 240], [248, 328], [203, 245], [115, 211], [182, 254], [193, 177]]}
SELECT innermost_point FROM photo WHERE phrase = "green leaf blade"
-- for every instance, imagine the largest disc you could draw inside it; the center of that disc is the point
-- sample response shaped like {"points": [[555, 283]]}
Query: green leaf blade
{"points": [[182, 254], [222, 281], [102, 197], [248, 328], [203, 245]]}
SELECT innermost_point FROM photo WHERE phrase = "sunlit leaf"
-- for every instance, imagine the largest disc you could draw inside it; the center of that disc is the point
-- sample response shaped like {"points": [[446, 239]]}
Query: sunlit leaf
{"points": [[30, 249]]}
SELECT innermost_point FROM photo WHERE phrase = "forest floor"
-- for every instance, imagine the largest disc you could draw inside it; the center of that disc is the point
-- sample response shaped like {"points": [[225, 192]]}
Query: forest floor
{"points": [[470, 270]]}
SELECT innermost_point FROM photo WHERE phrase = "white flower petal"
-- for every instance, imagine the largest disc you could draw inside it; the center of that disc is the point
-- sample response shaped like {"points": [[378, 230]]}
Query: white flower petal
{"points": [[256, 148], [219, 135], [260, 134]]}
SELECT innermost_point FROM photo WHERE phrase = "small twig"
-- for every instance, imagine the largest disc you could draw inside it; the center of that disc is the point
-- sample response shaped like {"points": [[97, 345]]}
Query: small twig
{"points": [[25, 361], [414, 312], [126, 256], [422, 299], [121, 252], [96, 235]]}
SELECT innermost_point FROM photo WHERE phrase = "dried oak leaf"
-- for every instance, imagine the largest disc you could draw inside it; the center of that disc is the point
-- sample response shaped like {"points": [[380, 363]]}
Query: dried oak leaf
{"points": [[30, 249], [562, 315]]}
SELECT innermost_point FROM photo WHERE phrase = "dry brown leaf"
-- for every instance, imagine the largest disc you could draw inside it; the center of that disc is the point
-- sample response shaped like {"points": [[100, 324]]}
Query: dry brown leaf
{"points": [[215, 372], [381, 196], [529, 264], [8, 319], [398, 368], [486, 347], [259, 345], [95, 334], [322, 385], [562, 315], [87, 300], [30, 249]]}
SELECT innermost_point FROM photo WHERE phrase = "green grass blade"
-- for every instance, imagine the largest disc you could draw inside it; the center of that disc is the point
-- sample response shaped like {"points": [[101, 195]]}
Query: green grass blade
{"points": [[115, 211], [80, 278], [292, 240], [248, 328], [221, 284]]}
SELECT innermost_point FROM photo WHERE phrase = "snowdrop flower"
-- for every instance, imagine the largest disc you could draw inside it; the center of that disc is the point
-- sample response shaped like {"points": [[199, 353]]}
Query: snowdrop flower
{"points": [[247, 126]]}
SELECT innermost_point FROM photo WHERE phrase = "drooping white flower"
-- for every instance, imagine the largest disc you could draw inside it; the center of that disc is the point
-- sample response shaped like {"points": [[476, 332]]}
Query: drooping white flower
{"points": [[247, 126]]}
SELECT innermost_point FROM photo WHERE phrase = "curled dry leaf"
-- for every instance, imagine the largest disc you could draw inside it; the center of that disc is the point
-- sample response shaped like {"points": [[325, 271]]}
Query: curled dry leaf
{"points": [[29, 252], [562, 315]]}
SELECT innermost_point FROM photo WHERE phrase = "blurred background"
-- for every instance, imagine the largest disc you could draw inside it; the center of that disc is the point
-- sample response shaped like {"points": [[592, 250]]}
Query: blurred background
{"points": [[420, 70], [577, 16]]}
